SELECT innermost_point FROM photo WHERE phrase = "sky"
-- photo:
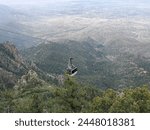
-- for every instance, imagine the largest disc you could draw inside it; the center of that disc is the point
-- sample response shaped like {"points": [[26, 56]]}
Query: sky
{"points": [[17, 2], [8, 2], [42, 3]]}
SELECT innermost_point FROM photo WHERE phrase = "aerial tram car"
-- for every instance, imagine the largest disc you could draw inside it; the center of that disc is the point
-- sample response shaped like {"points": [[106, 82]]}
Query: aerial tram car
{"points": [[71, 69]]}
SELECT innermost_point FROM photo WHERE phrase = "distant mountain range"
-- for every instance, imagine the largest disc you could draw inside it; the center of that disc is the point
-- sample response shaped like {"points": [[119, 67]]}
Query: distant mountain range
{"points": [[124, 22], [96, 66], [12, 28]]}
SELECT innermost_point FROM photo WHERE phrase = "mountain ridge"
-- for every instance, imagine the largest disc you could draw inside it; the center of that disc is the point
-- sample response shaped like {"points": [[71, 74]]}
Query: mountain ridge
{"points": [[13, 67], [11, 64], [96, 65]]}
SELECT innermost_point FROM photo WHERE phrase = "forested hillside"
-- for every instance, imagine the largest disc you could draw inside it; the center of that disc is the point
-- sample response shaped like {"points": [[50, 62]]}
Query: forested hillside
{"points": [[96, 64], [27, 87], [36, 96]]}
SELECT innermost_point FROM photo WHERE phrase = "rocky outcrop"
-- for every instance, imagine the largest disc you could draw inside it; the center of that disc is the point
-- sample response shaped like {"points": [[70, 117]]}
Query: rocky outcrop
{"points": [[14, 70], [12, 65], [30, 80]]}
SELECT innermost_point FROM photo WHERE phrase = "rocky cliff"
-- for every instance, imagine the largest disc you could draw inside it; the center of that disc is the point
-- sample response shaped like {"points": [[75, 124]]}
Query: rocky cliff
{"points": [[12, 65]]}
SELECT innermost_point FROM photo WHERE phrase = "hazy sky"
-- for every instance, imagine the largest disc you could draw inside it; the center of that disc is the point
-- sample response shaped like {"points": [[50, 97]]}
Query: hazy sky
{"points": [[29, 1], [56, 1], [139, 3], [14, 2]]}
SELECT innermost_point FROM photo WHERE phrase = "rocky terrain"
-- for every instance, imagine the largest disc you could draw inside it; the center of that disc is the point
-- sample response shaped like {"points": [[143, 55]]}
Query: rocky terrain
{"points": [[12, 65], [13, 68]]}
